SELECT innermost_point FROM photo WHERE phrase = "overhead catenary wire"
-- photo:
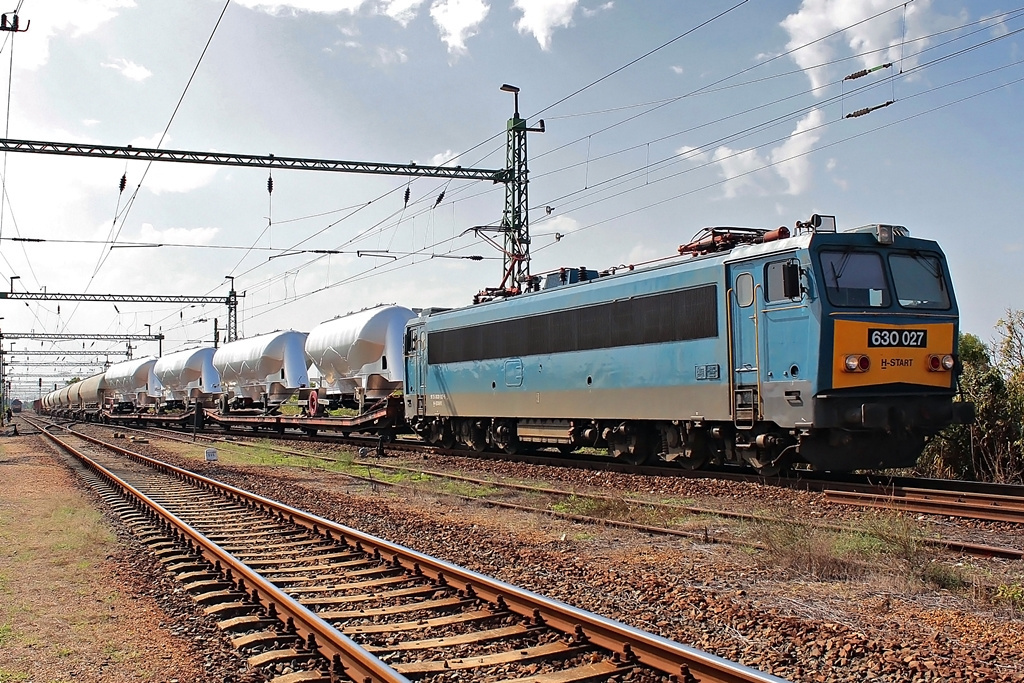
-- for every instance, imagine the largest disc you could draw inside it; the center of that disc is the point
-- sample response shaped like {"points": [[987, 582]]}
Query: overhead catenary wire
{"points": [[801, 154], [131, 200], [619, 69], [292, 271]]}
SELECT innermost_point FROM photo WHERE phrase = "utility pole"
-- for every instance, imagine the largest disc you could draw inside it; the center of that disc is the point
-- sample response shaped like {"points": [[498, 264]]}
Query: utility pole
{"points": [[232, 311]]}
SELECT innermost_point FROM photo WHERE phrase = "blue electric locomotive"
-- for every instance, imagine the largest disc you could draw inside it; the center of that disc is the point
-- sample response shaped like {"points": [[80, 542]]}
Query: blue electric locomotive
{"points": [[834, 349]]}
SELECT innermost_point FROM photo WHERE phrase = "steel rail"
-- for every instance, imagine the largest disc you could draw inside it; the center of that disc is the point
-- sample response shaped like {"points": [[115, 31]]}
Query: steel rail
{"points": [[631, 644], [934, 502], [332, 644], [976, 549]]}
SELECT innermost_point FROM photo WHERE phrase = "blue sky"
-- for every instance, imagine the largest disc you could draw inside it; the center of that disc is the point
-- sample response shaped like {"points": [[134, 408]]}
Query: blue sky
{"points": [[738, 119]]}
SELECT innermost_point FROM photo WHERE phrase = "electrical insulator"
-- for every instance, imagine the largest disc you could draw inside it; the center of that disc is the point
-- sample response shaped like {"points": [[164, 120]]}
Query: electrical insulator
{"points": [[270, 184], [440, 198], [407, 193], [124, 183]]}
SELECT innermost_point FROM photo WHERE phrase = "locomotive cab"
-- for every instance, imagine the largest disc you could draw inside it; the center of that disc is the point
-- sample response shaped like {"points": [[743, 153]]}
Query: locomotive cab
{"points": [[888, 368], [841, 348]]}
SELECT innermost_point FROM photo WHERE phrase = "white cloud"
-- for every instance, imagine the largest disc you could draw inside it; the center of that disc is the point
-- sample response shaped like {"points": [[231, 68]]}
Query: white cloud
{"points": [[389, 56], [541, 17], [742, 169], [642, 253], [738, 169], [55, 17], [130, 69], [148, 233], [458, 20], [402, 11], [677, 70], [293, 6], [587, 12], [999, 28], [445, 158], [692, 154], [789, 158], [880, 37]]}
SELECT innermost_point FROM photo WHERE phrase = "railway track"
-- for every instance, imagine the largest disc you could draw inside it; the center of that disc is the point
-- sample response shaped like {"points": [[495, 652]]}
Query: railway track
{"points": [[980, 506], [311, 600], [706, 536]]}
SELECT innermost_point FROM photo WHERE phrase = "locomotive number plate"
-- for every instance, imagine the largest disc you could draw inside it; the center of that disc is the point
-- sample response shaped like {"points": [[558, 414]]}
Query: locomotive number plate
{"points": [[916, 339]]}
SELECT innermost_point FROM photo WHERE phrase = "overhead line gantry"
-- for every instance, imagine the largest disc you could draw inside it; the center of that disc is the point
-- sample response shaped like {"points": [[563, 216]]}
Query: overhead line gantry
{"points": [[514, 222], [231, 301], [58, 352]]}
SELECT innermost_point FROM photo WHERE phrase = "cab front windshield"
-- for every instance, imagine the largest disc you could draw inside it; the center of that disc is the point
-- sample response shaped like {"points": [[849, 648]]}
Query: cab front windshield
{"points": [[858, 279]]}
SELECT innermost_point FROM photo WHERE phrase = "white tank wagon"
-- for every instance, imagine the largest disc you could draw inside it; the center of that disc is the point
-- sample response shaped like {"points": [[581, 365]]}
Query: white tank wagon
{"points": [[266, 370], [187, 376], [132, 384], [360, 355], [91, 392], [50, 401], [74, 395]]}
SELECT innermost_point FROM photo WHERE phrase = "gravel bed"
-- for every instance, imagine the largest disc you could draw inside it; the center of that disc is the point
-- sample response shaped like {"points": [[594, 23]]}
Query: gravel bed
{"points": [[881, 625]]}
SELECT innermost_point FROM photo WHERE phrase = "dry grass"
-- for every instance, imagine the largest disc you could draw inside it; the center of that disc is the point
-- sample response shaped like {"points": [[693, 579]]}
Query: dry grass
{"points": [[880, 543], [63, 615]]}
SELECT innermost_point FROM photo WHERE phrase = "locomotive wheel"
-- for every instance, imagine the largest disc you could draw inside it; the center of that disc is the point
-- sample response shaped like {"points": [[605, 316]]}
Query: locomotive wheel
{"points": [[440, 434], [693, 462], [504, 438], [633, 449], [765, 466], [472, 436]]}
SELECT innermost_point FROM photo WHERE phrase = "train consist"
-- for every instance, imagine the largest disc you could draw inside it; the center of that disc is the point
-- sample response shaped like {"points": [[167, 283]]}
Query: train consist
{"points": [[757, 347]]}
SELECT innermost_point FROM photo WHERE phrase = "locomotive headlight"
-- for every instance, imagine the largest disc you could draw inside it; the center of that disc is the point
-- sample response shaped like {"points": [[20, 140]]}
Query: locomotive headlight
{"points": [[938, 363], [856, 363]]}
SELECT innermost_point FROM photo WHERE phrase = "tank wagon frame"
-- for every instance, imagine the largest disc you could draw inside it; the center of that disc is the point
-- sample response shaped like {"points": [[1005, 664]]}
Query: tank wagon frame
{"points": [[834, 349]]}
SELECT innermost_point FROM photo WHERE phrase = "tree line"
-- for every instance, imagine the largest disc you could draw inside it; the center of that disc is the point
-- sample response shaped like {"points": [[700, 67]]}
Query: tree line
{"points": [[992, 377]]}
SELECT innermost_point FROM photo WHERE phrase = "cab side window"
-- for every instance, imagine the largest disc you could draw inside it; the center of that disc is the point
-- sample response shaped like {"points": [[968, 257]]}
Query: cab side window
{"points": [[775, 277]]}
